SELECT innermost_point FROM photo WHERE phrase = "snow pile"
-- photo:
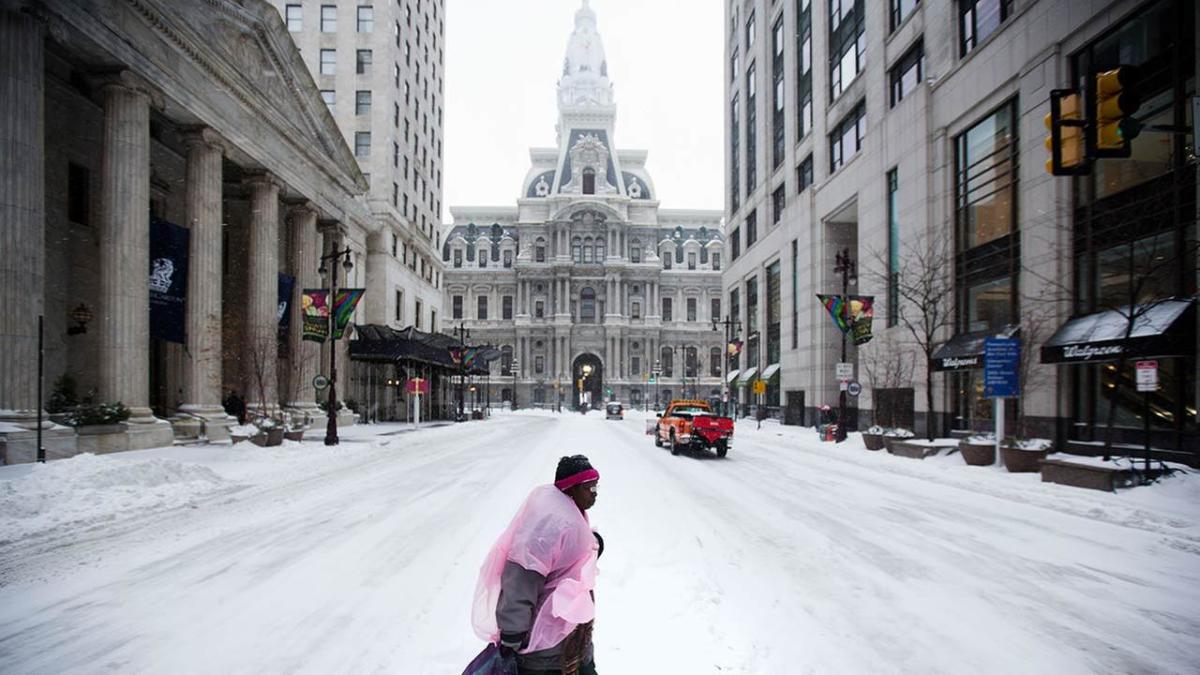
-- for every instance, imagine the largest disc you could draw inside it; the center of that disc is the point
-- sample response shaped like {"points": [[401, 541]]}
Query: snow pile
{"points": [[88, 489]]}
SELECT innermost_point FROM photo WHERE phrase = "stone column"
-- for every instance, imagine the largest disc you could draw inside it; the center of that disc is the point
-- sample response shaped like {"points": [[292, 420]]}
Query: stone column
{"points": [[202, 367], [22, 214], [304, 253], [259, 359]]}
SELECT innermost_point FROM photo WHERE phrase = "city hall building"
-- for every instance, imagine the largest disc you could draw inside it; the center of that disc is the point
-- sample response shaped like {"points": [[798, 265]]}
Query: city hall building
{"points": [[587, 286]]}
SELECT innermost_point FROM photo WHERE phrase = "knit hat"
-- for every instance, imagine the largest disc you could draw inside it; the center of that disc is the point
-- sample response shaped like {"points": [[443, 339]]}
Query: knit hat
{"points": [[574, 470]]}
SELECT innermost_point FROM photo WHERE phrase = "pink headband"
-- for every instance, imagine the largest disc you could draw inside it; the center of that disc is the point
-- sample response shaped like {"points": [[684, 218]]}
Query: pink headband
{"points": [[581, 477]]}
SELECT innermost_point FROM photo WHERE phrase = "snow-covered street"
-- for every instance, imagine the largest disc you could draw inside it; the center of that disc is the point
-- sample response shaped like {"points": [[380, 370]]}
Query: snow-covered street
{"points": [[790, 556]]}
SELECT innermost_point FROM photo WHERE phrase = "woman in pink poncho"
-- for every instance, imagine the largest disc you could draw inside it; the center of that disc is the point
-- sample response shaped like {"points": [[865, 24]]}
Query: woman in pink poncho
{"points": [[534, 595]]}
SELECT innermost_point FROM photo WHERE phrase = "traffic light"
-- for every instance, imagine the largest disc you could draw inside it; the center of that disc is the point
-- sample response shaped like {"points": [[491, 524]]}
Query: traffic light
{"points": [[1066, 142], [1117, 99]]}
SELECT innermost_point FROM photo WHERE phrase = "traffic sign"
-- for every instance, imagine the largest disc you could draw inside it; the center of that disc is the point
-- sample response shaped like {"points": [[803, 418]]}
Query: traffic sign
{"points": [[760, 387], [845, 372], [853, 388], [417, 385], [320, 382], [1001, 359], [1147, 375]]}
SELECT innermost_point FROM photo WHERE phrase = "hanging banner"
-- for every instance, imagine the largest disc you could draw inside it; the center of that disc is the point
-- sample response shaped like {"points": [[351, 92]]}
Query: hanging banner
{"points": [[862, 314], [734, 347], [835, 305], [168, 280], [314, 308], [347, 300], [283, 314]]}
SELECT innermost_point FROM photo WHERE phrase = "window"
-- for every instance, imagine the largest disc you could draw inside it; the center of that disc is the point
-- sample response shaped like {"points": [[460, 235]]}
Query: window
{"points": [[587, 305], [362, 103], [750, 31], [539, 250], [433, 324], [539, 309], [716, 260], [714, 362], [366, 18], [666, 309], [635, 251], [458, 255], [900, 11], [577, 250], [978, 19], [395, 194], [362, 62], [691, 309], [456, 303], [847, 41], [777, 201], [985, 178], [362, 144], [893, 249], [328, 62], [417, 315], [777, 123], [666, 260], [481, 308], [989, 305], [294, 17], [399, 306], [79, 190], [667, 362], [907, 74], [795, 294], [804, 174], [753, 338], [600, 249], [735, 173], [804, 49], [589, 182], [751, 130], [636, 310], [773, 314], [735, 238], [506, 307], [483, 259], [847, 137], [635, 365], [508, 258], [539, 365], [691, 260], [328, 18], [751, 228]]}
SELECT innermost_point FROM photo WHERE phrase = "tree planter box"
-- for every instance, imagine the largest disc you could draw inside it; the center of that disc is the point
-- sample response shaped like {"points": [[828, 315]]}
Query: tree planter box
{"points": [[873, 441], [297, 435], [1087, 476], [978, 454], [102, 438], [268, 438], [890, 442], [906, 448], [1023, 461]]}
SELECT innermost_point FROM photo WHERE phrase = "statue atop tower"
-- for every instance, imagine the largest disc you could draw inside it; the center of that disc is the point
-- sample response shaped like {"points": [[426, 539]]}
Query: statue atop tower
{"points": [[585, 70]]}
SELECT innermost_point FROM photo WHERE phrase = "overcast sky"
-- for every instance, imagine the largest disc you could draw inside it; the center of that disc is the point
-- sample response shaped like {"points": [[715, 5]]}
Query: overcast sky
{"points": [[503, 60]]}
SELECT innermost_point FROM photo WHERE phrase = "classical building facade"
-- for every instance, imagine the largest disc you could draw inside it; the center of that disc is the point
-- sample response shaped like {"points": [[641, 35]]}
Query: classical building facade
{"points": [[587, 284], [379, 68], [124, 117], [897, 129]]}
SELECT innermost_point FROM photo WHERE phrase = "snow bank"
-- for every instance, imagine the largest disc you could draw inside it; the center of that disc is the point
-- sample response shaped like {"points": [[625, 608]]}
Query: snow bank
{"points": [[88, 489]]}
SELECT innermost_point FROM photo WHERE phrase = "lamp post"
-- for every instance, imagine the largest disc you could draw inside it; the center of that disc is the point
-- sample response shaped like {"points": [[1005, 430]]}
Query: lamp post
{"points": [[657, 376], [586, 371], [462, 333], [514, 367], [331, 431], [844, 265], [732, 326]]}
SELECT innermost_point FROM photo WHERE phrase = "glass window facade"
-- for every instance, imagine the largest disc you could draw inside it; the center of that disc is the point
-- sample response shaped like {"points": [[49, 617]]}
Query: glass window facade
{"points": [[804, 59], [978, 19], [777, 101], [986, 178], [847, 137], [907, 74], [893, 248], [847, 42]]}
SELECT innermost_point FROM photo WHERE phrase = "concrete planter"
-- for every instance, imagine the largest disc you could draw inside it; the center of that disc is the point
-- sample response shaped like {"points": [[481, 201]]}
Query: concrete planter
{"points": [[1017, 460], [873, 441], [297, 435], [268, 438], [100, 439], [890, 442], [978, 454]]}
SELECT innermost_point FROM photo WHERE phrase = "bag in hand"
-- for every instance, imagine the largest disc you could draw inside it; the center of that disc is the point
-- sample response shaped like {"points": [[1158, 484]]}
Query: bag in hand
{"points": [[492, 662]]}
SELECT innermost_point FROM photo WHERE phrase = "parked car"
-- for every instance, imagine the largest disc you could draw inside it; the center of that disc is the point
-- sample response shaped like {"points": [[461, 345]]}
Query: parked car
{"points": [[614, 411], [693, 424]]}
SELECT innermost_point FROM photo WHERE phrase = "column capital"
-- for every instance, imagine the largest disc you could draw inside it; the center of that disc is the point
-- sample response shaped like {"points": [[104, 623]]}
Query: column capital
{"points": [[330, 226], [263, 177], [123, 79], [203, 137], [303, 208]]}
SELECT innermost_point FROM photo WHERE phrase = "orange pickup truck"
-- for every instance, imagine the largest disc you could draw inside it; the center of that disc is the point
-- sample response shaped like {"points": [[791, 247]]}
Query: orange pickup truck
{"points": [[693, 424]]}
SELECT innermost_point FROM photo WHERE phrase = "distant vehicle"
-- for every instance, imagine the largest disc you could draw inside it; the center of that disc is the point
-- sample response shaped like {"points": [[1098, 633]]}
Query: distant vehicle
{"points": [[690, 424], [614, 411]]}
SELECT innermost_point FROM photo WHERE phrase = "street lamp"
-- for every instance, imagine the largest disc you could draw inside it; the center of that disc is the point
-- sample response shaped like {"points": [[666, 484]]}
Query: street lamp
{"points": [[586, 369], [657, 376], [331, 431], [462, 333], [844, 265], [732, 326], [514, 368]]}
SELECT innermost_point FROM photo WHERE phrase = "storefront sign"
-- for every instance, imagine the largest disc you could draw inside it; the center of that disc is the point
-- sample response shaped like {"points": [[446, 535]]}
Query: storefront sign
{"points": [[1089, 352], [1001, 360], [1147, 375], [959, 363]]}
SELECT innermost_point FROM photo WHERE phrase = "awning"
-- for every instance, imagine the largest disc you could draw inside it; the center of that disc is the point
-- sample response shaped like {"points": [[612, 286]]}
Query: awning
{"points": [[747, 375], [965, 350], [731, 376], [770, 371], [383, 344], [1164, 328]]}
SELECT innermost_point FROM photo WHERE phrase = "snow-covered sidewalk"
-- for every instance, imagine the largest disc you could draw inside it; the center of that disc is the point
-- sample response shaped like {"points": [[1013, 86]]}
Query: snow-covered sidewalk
{"points": [[791, 555]]}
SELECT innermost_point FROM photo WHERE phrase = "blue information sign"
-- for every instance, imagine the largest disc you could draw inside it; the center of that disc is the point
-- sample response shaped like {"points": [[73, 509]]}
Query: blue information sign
{"points": [[1001, 357]]}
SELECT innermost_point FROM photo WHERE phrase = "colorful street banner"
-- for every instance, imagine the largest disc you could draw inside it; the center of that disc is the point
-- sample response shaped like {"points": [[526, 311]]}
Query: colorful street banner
{"points": [[347, 300], [168, 280], [734, 347], [314, 308], [851, 313]]}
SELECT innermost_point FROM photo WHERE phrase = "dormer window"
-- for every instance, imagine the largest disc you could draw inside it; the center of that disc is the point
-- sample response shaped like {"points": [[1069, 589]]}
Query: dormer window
{"points": [[589, 181]]}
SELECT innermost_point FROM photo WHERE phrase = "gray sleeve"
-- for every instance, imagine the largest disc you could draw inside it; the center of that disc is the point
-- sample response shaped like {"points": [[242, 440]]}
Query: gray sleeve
{"points": [[519, 592]]}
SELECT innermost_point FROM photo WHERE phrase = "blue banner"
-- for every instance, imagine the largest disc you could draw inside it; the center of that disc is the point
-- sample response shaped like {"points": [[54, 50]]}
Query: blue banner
{"points": [[284, 309], [168, 280]]}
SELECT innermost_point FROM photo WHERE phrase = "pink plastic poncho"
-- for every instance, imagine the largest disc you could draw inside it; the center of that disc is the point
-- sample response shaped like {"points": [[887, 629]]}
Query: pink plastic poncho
{"points": [[550, 536]]}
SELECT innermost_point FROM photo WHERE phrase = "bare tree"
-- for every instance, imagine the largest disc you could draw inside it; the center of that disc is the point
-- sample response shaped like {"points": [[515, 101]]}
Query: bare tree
{"points": [[259, 351], [889, 365]]}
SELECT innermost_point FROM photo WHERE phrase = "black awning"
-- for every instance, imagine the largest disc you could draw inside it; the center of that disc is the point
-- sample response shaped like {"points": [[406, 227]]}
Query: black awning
{"points": [[1162, 329], [965, 350], [383, 344]]}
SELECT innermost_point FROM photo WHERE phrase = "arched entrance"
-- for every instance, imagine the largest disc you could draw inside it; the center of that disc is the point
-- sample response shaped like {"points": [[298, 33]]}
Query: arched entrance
{"points": [[587, 380]]}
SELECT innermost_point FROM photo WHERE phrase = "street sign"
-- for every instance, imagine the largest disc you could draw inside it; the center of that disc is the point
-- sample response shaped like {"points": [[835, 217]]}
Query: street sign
{"points": [[320, 382], [760, 387], [1001, 358], [1147, 375], [417, 385], [845, 372], [853, 388]]}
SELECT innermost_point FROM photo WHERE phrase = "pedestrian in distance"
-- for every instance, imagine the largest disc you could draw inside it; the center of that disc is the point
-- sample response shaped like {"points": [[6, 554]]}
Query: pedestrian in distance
{"points": [[534, 598]]}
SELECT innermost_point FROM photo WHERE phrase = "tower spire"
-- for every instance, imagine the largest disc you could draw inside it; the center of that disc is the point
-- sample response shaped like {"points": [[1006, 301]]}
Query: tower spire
{"points": [[585, 69]]}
